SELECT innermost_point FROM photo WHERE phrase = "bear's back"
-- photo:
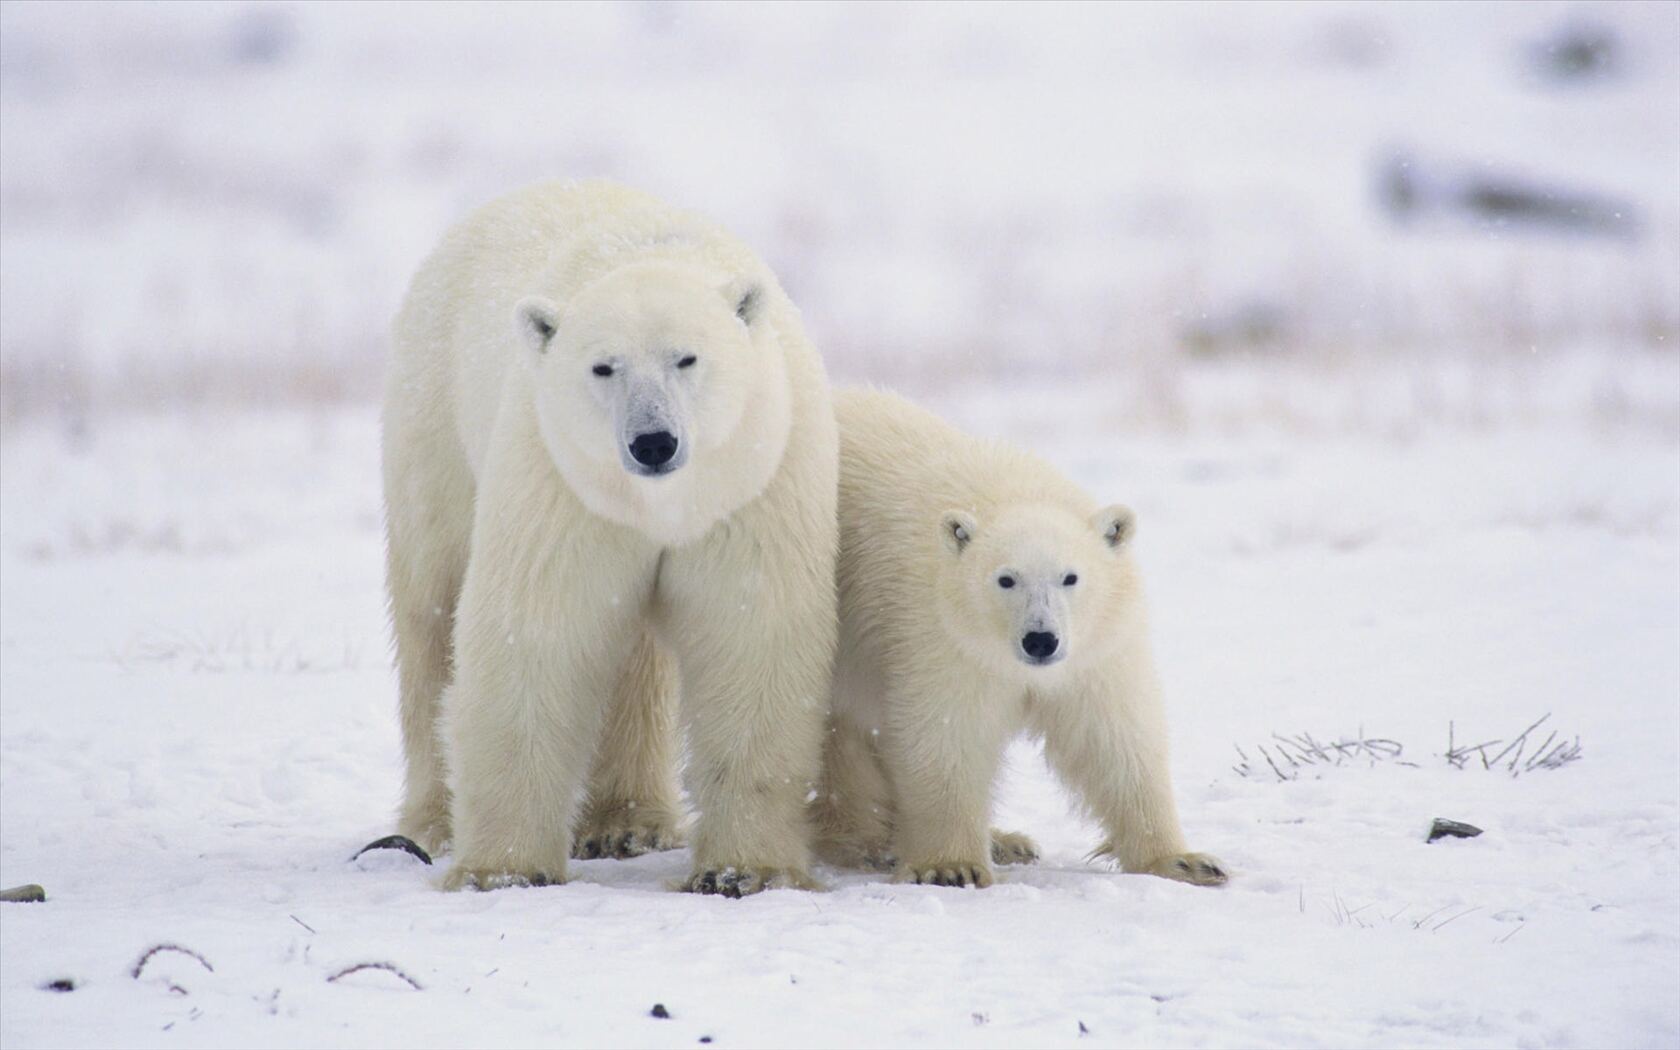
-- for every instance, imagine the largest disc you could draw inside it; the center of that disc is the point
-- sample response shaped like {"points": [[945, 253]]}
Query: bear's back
{"points": [[901, 468], [901, 465]]}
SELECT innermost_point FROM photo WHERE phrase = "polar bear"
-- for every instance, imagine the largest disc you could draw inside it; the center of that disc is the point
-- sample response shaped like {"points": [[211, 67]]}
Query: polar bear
{"points": [[610, 467], [982, 593]]}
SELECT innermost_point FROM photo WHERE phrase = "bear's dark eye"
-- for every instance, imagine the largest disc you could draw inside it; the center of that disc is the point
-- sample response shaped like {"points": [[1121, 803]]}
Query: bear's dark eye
{"points": [[1070, 579], [687, 362], [1006, 582], [602, 370]]}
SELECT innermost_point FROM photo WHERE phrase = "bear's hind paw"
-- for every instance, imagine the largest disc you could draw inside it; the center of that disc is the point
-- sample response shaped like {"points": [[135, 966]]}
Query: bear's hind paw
{"points": [[1012, 847], [625, 832], [941, 873]]}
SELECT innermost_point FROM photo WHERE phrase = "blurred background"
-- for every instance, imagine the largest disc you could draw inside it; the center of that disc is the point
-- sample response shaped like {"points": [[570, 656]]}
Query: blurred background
{"points": [[1346, 216]]}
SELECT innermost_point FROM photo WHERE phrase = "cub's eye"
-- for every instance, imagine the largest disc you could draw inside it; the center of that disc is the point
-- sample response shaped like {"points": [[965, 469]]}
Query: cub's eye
{"points": [[1006, 582], [1070, 579], [602, 370], [687, 362]]}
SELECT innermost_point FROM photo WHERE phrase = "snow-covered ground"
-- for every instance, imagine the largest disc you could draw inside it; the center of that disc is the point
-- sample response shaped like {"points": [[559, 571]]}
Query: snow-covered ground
{"points": [[199, 729], [1391, 477]]}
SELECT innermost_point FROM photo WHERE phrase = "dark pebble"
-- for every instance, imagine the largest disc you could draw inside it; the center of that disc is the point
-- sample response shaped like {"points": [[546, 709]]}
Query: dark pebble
{"points": [[660, 1012], [1444, 828]]}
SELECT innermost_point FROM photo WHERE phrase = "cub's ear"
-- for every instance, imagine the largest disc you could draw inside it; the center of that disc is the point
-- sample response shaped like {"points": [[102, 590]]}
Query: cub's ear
{"points": [[746, 298], [1117, 524], [535, 317], [957, 529]]}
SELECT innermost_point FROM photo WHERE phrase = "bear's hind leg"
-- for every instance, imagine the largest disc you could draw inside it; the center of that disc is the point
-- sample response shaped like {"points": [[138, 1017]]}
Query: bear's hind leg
{"points": [[428, 519], [854, 809], [634, 806]]}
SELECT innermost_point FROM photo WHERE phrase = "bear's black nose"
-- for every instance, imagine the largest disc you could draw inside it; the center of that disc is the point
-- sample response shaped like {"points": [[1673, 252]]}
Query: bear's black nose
{"points": [[1040, 645], [654, 449]]}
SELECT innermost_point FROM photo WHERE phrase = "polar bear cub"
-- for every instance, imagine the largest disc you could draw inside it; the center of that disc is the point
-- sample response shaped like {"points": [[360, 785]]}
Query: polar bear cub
{"points": [[982, 594], [610, 478]]}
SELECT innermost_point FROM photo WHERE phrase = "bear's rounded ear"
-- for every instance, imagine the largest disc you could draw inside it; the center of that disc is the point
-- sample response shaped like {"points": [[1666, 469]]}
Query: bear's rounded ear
{"points": [[536, 319], [745, 297], [1117, 524], [957, 529]]}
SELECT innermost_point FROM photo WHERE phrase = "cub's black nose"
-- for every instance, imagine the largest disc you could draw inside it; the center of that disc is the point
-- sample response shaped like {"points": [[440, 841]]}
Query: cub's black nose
{"points": [[1040, 645], [654, 449]]}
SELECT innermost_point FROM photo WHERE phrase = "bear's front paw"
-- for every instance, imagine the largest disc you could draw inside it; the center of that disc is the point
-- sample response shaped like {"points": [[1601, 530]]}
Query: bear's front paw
{"points": [[743, 882], [1198, 869], [1012, 847], [463, 877], [625, 830], [948, 873]]}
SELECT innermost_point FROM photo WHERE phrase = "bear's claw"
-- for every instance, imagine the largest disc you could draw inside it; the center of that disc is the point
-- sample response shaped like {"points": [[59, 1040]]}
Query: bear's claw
{"points": [[1198, 869], [743, 882], [1012, 847], [962, 873], [624, 831], [460, 878]]}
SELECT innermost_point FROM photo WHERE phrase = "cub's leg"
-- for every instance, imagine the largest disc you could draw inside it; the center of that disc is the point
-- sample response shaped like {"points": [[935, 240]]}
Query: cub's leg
{"points": [[551, 609], [634, 806], [942, 747], [1108, 742], [428, 519], [854, 810]]}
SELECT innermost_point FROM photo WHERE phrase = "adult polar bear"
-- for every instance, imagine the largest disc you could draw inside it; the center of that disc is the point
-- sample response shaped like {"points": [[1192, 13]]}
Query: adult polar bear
{"points": [[610, 470], [982, 593]]}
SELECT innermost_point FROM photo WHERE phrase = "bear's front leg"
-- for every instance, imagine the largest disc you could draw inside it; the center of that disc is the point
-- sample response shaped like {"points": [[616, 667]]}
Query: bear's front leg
{"points": [[943, 744], [553, 603], [750, 612], [1107, 738]]}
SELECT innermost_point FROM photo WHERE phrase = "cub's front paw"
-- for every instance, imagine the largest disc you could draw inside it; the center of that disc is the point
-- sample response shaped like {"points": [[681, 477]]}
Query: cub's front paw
{"points": [[625, 829], [464, 877], [1198, 869], [947, 873], [1012, 847], [743, 882]]}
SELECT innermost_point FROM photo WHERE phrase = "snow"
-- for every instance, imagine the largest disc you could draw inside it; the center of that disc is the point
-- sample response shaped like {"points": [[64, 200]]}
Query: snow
{"points": [[199, 731], [939, 190], [1446, 490]]}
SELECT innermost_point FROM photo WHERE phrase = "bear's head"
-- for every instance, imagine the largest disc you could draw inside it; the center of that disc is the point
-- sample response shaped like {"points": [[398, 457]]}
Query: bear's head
{"points": [[1035, 589], [661, 393]]}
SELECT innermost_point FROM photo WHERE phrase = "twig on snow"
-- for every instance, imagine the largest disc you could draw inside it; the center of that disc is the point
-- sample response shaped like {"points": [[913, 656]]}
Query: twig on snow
{"points": [[387, 967], [146, 958], [1436, 928]]}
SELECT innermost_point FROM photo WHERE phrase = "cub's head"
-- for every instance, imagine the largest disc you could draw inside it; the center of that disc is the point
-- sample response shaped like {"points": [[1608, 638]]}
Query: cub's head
{"points": [[659, 392], [1035, 589]]}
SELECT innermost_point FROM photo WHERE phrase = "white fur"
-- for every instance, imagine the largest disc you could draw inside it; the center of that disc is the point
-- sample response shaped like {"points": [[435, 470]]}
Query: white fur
{"points": [[562, 596], [932, 680]]}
